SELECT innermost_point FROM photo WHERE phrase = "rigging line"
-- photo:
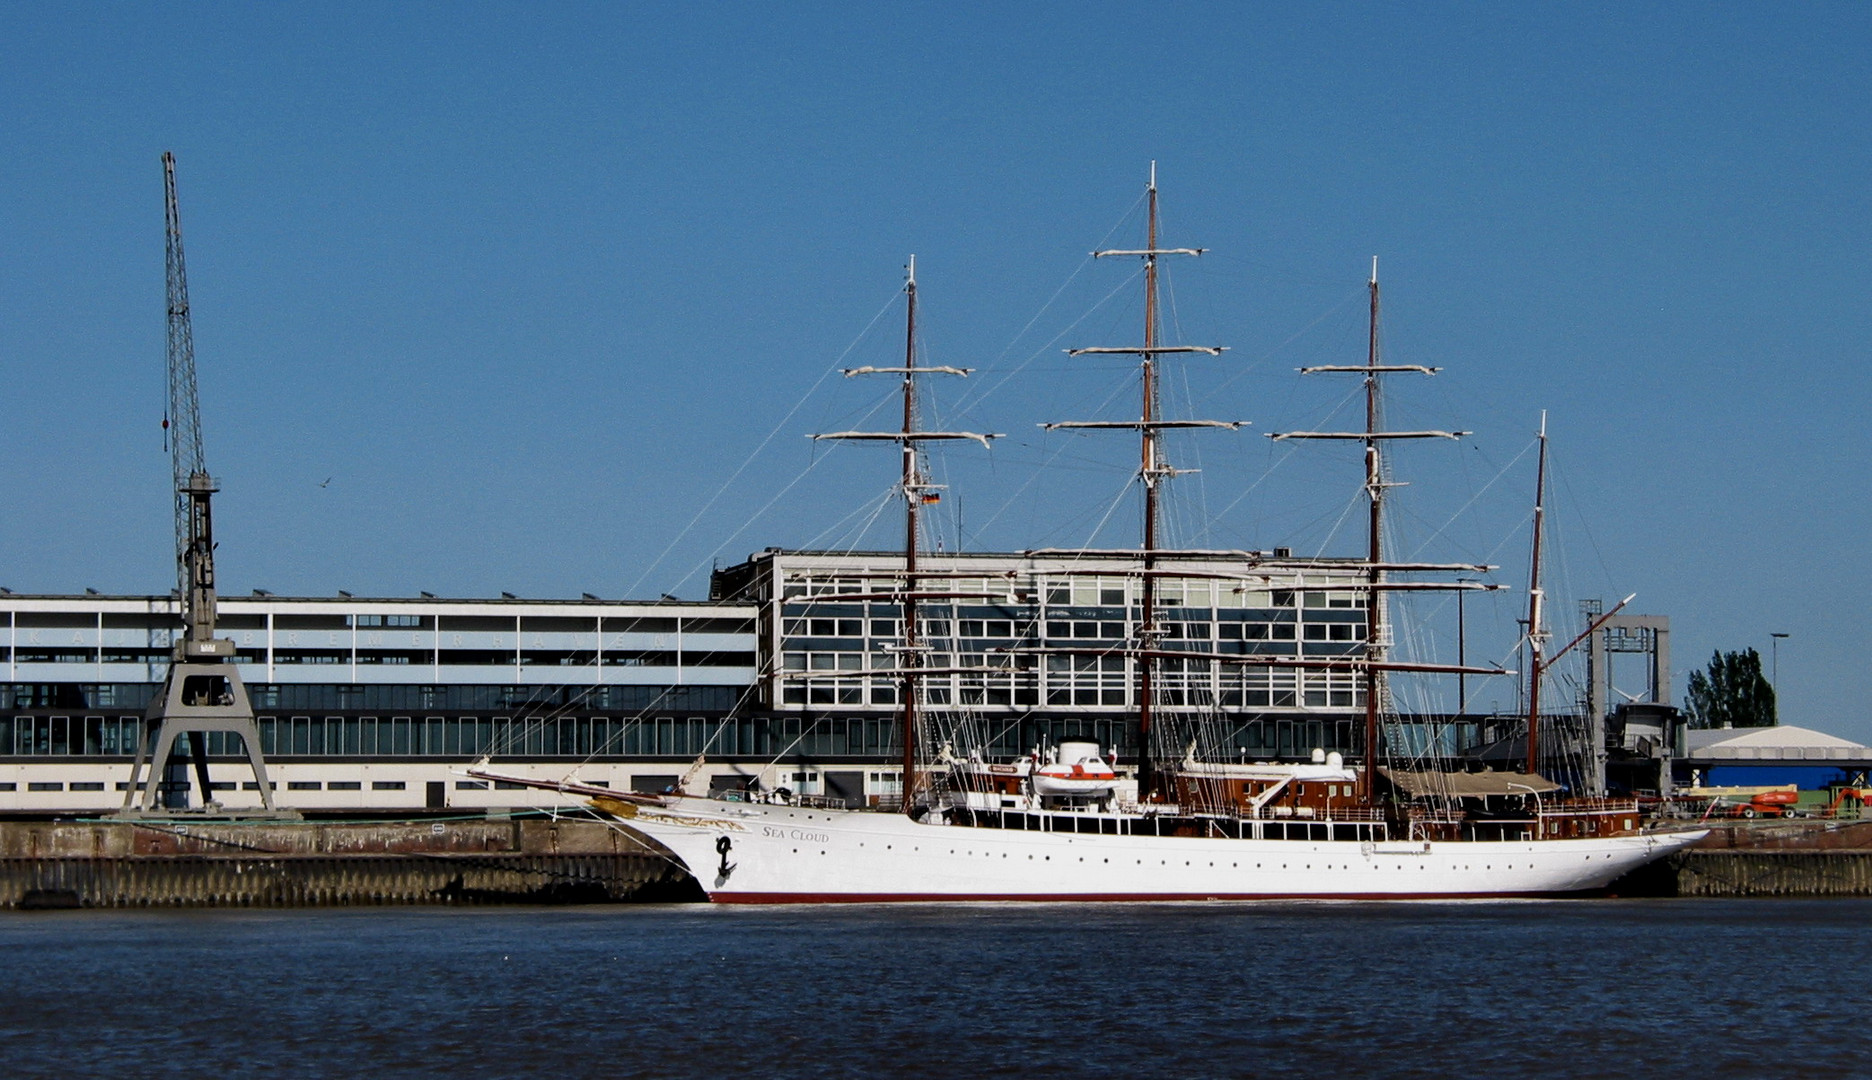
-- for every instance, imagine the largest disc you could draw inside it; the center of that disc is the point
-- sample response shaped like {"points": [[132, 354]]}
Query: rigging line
{"points": [[856, 536], [1591, 540], [719, 492], [532, 712], [1268, 356], [1334, 411], [805, 731], [839, 526], [752, 518], [1351, 503], [965, 403], [1059, 449], [1117, 501]]}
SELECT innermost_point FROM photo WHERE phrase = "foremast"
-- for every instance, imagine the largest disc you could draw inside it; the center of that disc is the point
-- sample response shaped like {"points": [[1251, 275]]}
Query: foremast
{"points": [[1152, 468], [916, 489]]}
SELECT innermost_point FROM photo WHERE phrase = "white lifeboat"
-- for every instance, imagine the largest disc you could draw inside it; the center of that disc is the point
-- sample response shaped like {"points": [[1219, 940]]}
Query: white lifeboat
{"points": [[1076, 770]]}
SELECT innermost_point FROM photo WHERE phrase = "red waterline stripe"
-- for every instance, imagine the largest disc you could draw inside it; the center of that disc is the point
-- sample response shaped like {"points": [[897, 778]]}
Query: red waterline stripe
{"points": [[1117, 898]]}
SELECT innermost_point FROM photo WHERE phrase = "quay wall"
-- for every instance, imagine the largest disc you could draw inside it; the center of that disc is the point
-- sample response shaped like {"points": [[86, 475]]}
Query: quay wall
{"points": [[198, 864], [1764, 859], [1770, 872]]}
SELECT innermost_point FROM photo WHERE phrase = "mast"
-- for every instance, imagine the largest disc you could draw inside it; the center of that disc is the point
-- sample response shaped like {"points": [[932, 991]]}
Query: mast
{"points": [[913, 500], [1537, 636], [1147, 469], [1373, 437], [1374, 487], [1151, 467], [915, 489]]}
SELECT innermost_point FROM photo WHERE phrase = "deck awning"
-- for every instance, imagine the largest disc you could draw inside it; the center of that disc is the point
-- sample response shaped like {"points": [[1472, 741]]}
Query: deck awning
{"points": [[1467, 785]]}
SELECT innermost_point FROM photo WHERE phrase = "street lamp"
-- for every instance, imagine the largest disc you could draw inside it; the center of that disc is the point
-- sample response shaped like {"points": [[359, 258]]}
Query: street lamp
{"points": [[1774, 669]]}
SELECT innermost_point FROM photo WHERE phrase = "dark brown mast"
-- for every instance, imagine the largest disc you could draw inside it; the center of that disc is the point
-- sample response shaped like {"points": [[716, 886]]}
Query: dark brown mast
{"points": [[1373, 438], [1151, 467], [1147, 469], [1374, 487], [1537, 635], [913, 505], [915, 488]]}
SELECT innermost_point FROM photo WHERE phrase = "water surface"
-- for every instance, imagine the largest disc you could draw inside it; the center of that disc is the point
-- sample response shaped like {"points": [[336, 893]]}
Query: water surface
{"points": [[1489, 989]]}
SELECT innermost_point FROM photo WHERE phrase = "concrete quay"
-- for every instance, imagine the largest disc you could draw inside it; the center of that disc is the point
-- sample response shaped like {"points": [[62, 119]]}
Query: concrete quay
{"points": [[315, 864], [1764, 859]]}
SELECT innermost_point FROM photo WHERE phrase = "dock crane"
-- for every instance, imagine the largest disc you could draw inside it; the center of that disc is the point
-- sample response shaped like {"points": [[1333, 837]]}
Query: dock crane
{"points": [[202, 692]]}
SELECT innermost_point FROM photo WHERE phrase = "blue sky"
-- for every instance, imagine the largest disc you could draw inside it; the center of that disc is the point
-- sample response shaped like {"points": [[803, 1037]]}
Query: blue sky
{"points": [[531, 284]]}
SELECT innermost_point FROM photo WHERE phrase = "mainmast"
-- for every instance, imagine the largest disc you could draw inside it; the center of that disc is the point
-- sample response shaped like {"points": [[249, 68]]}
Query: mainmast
{"points": [[916, 489], [1373, 437], [1152, 469], [1537, 634], [913, 506], [1374, 487]]}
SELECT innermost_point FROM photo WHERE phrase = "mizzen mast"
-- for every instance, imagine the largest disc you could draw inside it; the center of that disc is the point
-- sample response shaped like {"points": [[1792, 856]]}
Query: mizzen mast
{"points": [[1152, 468], [1373, 437], [1536, 632], [916, 490]]}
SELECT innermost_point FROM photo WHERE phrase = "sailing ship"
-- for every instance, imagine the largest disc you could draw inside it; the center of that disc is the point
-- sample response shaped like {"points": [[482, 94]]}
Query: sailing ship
{"points": [[1062, 823]]}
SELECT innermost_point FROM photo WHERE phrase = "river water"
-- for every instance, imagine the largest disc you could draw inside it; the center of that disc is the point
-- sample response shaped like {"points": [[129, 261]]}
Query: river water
{"points": [[1654, 988]]}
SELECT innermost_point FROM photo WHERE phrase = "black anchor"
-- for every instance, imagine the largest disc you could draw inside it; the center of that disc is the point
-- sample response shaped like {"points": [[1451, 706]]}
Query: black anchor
{"points": [[723, 845]]}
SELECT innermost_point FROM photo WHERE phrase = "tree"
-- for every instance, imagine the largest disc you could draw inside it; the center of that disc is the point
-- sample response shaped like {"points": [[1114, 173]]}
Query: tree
{"points": [[1731, 692]]}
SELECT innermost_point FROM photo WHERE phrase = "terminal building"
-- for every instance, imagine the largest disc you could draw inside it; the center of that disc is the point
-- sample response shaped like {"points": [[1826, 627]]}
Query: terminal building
{"points": [[784, 677]]}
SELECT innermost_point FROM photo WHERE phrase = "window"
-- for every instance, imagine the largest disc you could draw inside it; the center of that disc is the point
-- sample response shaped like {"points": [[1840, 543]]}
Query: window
{"points": [[495, 624], [718, 626], [45, 785], [94, 785], [343, 785], [303, 785], [311, 622], [408, 622], [471, 785], [386, 785], [640, 626], [557, 624], [311, 656], [987, 628]]}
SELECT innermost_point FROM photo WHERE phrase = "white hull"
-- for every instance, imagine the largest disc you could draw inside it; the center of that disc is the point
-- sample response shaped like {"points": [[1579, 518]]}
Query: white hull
{"points": [[789, 854]]}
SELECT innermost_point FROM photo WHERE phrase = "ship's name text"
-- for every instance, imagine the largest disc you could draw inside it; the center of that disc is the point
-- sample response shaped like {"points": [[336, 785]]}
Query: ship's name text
{"points": [[795, 834]]}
